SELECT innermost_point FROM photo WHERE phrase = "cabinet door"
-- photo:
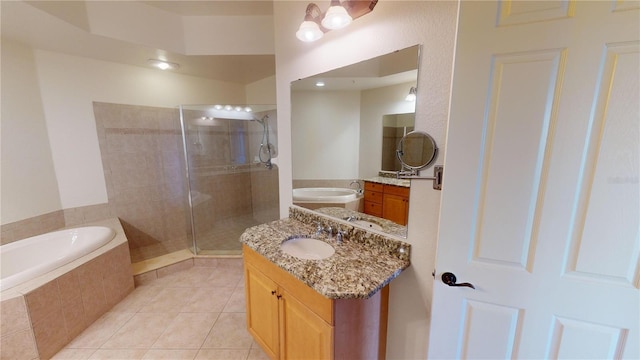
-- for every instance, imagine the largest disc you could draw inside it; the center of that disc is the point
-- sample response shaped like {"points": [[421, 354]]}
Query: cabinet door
{"points": [[395, 208], [304, 335], [262, 310]]}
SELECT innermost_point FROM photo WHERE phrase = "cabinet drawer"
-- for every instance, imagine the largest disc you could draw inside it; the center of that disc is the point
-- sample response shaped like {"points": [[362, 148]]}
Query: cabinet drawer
{"points": [[373, 208], [396, 190], [373, 196], [373, 186]]}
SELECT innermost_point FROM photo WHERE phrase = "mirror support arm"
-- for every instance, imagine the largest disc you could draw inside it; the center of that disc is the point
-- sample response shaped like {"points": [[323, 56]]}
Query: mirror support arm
{"points": [[438, 171]]}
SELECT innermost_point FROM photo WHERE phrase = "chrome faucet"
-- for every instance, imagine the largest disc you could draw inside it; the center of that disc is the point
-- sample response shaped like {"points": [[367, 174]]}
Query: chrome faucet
{"points": [[324, 229], [359, 187]]}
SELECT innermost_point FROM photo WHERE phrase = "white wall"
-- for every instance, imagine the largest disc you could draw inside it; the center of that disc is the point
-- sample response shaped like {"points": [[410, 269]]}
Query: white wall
{"points": [[262, 91], [391, 26], [324, 125], [375, 104], [325, 134], [29, 185], [70, 84]]}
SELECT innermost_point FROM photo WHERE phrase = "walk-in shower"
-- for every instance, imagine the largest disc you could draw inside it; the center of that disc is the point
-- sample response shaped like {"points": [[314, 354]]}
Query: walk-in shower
{"points": [[229, 152]]}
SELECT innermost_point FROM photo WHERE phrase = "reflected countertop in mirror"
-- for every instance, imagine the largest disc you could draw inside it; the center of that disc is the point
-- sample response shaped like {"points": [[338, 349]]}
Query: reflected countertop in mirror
{"points": [[389, 181], [364, 220]]}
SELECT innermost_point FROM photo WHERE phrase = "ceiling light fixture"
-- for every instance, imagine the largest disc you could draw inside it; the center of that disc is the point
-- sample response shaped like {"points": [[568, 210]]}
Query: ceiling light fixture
{"points": [[309, 30], [338, 16], [412, 94], [320, 83], [234, 112], [162, 64]]}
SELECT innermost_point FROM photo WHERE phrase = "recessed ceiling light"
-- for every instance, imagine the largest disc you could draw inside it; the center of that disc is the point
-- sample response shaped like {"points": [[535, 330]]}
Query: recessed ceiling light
{"points": [[320, 83], [164, 65]]}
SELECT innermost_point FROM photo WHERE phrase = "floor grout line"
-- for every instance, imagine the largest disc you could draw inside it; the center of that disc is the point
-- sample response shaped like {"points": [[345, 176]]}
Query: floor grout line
{"points": [[214, 340]]}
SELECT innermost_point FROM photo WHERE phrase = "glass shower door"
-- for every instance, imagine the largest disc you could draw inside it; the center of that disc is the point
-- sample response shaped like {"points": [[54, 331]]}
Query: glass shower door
{"points": [[232, 182]]}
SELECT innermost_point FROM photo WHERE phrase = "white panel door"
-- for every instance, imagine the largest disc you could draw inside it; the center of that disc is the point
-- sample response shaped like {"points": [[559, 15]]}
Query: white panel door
{"points": [[541, 201]]}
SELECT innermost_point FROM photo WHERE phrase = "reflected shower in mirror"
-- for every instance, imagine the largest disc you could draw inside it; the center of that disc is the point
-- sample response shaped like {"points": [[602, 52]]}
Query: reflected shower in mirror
{"points": [[416, 150], [339, 141], [394, 127]]}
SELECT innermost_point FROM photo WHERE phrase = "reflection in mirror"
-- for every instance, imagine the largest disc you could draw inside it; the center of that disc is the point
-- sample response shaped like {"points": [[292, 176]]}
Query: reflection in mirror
{"points": [[416, 150], [394, 127], [339, 141]]}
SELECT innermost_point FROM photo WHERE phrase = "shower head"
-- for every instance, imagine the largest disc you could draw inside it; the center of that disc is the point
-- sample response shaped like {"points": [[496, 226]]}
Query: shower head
{"points": [[263, 120]]}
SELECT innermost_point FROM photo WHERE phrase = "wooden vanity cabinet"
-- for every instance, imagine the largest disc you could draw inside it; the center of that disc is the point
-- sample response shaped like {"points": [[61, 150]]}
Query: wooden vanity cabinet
{"points": [[373, 198], [387, 201], [290, 320]]}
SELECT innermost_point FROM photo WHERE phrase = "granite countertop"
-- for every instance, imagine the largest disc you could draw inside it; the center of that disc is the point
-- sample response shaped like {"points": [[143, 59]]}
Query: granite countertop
{"points": [[390, 181], [362, 264], [388, 226]]}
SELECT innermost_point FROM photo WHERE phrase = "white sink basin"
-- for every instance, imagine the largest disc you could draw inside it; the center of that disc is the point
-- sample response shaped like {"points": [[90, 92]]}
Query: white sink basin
{"points": [[307, 248], [367, 224]]}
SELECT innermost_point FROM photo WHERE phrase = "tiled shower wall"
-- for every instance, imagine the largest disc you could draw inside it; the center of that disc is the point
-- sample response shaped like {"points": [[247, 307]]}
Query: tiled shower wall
{"points": [[143, 161], [141, 150], [390, 138]]}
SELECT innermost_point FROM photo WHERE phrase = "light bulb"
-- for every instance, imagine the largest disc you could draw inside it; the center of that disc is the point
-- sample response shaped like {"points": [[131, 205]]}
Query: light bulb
{"points": [[248, 109], [336, 17], [163, 65], [218, 107], [228, 107], [309, 31], [412, 94]]}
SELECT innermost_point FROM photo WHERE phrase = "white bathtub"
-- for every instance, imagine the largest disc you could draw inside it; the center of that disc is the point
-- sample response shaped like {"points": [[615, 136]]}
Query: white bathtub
{"points": [[327, 195], [27, 259]]}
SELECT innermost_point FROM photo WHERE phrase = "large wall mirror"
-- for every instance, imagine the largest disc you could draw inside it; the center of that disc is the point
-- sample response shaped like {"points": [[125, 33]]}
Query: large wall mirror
{"points": [[346, 125]]}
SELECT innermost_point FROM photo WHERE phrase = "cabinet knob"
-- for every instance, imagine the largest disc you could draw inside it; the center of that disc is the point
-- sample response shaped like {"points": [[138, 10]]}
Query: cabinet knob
{"points": [[279, 296], [273, 292]]}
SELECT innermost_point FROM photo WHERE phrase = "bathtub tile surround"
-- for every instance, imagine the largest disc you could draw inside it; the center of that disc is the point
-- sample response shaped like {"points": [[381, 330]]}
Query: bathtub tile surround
{"points": [[31, 227], [85, 214], [42, 315], [52, 221], [17, 335]]}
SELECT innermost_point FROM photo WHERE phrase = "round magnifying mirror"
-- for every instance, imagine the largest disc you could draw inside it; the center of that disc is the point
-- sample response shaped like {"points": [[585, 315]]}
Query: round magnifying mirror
{"points": [[417, 150]]}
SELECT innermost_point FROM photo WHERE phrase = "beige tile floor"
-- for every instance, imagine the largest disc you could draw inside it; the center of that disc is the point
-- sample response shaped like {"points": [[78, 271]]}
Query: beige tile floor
{"points": [[197, 313]]}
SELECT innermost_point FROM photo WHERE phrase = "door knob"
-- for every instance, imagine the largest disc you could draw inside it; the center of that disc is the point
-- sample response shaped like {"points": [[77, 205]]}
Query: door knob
{"points": [[450, 279]]}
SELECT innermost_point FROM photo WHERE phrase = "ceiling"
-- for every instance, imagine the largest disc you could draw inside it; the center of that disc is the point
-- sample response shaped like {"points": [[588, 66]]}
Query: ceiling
{"points": [[63, 26], [215, 8], [398, 67]]}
